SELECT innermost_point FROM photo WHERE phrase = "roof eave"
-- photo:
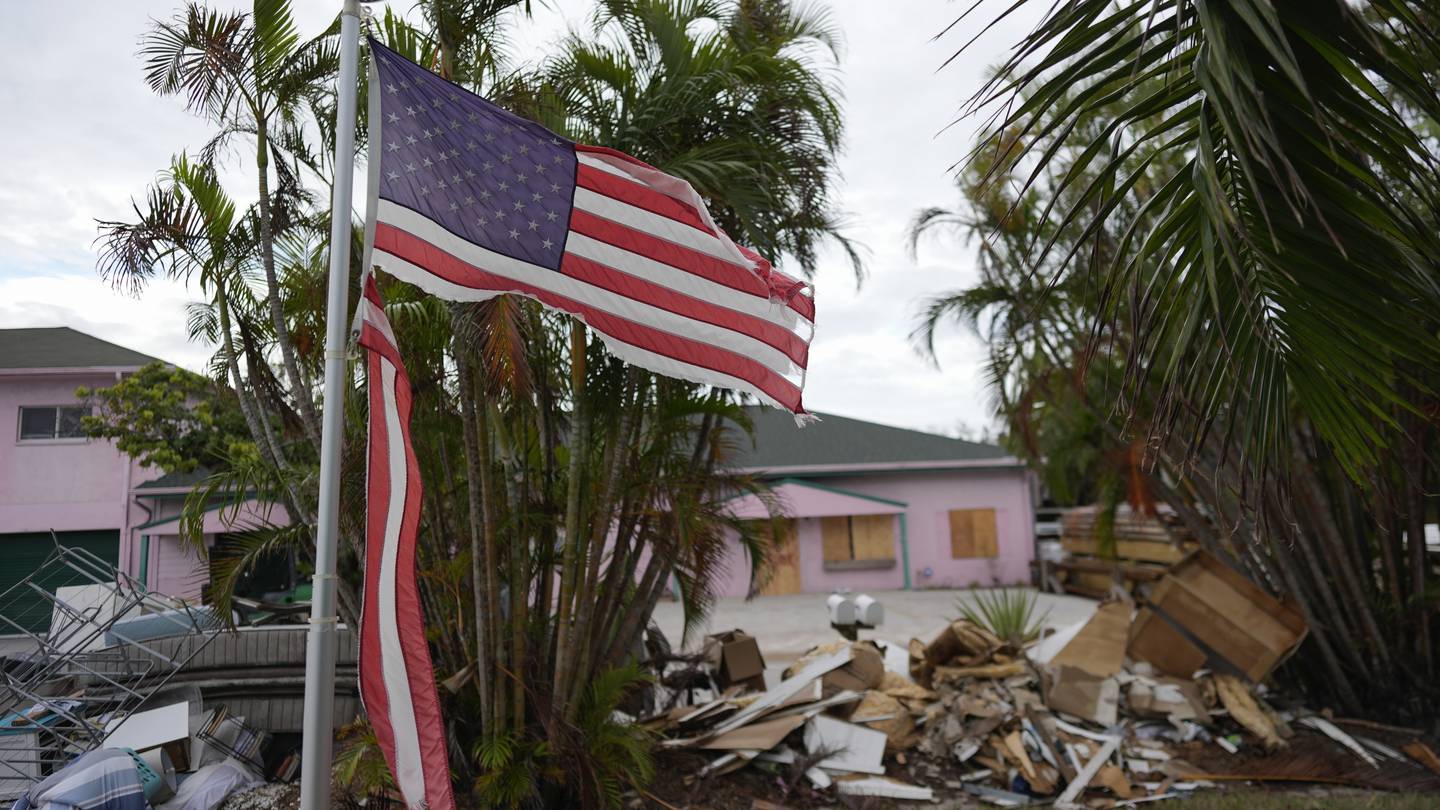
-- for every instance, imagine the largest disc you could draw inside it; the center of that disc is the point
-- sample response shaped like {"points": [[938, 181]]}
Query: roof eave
{"points": [[941, 465], [49, 371]]}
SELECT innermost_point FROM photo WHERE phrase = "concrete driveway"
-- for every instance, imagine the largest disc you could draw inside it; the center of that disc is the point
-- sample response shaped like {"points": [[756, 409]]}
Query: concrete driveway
{"points": [[787, 626]]}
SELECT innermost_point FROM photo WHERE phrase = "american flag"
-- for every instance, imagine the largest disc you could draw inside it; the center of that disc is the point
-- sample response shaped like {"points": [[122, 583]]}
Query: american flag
{"points": [[397, 680], [471, 201]]}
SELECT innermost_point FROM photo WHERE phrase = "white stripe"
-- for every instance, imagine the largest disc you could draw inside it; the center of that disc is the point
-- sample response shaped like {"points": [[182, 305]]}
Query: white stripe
{"points": [[375, 316], [654, 224], [635, 264], [408, 771], [634, 355], [596, 162], [578, 290]]}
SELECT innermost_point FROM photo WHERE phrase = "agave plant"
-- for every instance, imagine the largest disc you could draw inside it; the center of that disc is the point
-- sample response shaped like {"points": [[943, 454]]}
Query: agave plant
{"points": [[1009, 613]]}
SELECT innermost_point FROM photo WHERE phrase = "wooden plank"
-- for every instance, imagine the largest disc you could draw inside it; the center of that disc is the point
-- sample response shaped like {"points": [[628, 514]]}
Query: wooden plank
{"points": [[1141, 550], [1233, 616], [1136, 572], [1152, 639], [785, 559], [874, 536], [835, 538], [987, 541], [962, 534]]}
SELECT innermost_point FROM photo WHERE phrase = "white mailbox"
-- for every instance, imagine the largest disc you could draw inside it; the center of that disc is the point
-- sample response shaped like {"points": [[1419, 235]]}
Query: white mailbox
{"points": [[868, 611], [842, 610]]}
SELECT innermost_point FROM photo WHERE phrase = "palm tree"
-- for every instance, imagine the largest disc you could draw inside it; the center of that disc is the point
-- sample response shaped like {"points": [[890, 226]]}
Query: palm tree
{"points": [[733, 97], [251, 75], [1251, 186]]}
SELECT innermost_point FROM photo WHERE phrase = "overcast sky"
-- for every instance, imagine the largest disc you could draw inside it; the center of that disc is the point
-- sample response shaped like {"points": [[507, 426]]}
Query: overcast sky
{"points": [[83, 135]]}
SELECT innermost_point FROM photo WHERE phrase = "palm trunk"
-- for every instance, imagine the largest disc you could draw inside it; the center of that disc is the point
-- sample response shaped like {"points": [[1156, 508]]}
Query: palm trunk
{"points": [[478, 561], [578, 450], [299, 386]]}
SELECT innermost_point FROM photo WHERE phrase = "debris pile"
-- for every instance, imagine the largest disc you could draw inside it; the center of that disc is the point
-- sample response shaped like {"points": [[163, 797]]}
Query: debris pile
{"points": [[129, 676], [1095, 714]]}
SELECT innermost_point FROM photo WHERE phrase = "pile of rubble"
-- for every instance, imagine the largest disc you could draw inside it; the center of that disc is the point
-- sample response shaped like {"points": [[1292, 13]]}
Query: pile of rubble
{"points": [[134, 698], [1122, 708]]}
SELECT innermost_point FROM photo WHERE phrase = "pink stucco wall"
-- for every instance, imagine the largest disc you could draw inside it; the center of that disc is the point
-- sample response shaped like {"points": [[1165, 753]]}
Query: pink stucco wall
{"points": [[86, 484], [929, 496], [67, 484]]}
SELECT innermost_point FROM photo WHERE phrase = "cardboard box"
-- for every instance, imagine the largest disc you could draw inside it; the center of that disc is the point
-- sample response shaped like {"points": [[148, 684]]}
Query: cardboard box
{"points": [[1099, 647], [1090, 697], [1203, 605], [865, 671], [736, 658]]}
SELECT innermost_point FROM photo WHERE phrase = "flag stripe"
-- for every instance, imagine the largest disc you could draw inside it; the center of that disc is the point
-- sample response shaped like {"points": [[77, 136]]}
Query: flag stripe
{"points": [[695, 286], [606, 277], [392, 654], [627, 190], [680, 257], [397, 682], [446, 275], [655, 225], [412, 237]]}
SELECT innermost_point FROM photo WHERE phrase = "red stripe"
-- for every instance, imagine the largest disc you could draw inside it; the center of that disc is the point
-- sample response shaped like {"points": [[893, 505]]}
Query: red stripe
{"points": [[683, 258], [417, 251], [373, 339], [615, 153], [639, 289], [639, 195], [409, 617], [372, 291]]}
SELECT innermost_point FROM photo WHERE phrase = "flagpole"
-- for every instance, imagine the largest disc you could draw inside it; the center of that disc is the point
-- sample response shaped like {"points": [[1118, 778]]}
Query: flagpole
{"points": [[317, 749]]}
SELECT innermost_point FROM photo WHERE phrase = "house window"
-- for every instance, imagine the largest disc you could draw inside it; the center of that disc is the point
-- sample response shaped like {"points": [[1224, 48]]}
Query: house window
{"points": [[858, 541], [972, 533], [51, 422]]}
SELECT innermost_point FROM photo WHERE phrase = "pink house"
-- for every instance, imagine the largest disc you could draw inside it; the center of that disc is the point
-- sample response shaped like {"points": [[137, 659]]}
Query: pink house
{"points": [[54, 478], [873, 507]]}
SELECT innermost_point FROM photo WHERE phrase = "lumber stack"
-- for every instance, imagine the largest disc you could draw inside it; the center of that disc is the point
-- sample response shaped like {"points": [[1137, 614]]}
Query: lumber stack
{"points": [[1144, 549]]}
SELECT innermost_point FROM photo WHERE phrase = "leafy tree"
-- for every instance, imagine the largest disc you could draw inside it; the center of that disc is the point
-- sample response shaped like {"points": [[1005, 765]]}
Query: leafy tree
{"points": [[1245, 195], [169, 418], [554, 474]]}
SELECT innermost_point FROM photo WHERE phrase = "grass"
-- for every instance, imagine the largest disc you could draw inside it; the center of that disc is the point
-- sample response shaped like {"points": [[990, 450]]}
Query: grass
{"points": [[1316, 799]]}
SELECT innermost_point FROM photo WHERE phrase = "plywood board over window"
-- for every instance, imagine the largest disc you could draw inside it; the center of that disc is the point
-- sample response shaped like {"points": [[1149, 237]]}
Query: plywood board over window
{"points": [[784, 574], [858, 541], [973, 533]]}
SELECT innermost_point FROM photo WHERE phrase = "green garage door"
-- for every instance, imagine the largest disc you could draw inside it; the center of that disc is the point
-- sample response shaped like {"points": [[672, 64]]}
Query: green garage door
{"points": [[21, 554]]}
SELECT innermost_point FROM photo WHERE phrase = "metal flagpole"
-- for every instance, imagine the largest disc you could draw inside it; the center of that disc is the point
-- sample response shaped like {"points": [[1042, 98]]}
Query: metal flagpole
{"points": [[320, 651]]}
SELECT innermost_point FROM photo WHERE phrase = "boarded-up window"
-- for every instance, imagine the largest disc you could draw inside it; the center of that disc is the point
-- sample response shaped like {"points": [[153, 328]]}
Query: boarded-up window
{"points": [[972, 533], [858, 537]]}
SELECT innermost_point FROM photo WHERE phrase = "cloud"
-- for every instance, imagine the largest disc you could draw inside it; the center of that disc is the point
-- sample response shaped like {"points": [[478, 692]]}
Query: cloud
{"points": [[84, 135], [153, 324]]}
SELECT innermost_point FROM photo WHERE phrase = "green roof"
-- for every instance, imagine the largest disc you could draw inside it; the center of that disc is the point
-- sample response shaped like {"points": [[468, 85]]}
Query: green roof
{"points": [[839, 441], [63, 347], [176, 480]]}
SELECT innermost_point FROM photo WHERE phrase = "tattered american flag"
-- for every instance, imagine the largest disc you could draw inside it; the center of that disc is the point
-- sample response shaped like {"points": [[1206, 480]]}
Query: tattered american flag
{"points": [[470, 201], [397, 680]]}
